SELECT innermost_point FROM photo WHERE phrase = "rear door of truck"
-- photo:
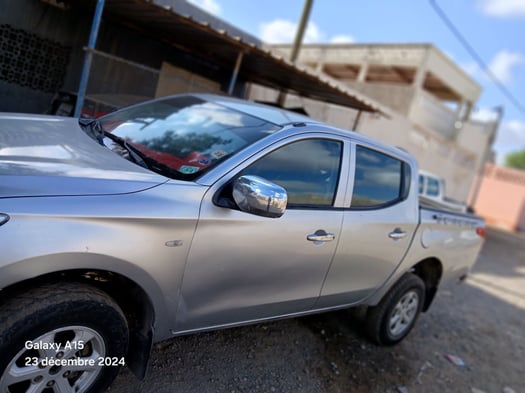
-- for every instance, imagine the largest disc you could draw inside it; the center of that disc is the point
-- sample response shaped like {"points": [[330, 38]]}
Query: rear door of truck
{"points": [[379, 223]]}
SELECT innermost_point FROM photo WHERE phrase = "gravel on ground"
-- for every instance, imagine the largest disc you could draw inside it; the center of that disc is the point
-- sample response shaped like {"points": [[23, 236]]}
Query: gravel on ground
{"points": [[471, 340]]}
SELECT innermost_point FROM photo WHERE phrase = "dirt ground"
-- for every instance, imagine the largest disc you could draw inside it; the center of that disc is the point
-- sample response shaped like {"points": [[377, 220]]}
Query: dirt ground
{"points": [[481, 321]]}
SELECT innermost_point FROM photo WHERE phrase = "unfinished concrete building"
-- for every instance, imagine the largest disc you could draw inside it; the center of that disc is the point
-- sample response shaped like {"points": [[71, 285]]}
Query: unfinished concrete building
{"points": [[427, 103]]}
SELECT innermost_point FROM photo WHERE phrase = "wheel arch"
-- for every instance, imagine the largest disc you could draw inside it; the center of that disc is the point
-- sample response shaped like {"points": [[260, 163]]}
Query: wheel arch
{"points": [[134, 301], [430, 270], [392, 319]]}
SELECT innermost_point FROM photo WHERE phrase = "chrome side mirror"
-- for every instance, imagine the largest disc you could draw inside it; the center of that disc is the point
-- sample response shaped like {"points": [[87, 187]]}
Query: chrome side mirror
{"points": [[256, 195]]}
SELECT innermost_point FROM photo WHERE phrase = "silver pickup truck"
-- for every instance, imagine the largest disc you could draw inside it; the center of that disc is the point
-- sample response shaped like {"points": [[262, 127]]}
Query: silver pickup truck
{"points": [[198, 212]]}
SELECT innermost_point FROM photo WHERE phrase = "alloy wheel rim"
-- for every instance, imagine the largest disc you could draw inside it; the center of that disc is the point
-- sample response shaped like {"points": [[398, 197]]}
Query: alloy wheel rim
{"points": [[403, 314], [65, 360]]}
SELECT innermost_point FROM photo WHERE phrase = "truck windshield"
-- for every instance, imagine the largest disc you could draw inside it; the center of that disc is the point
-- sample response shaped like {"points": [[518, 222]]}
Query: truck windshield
{"points": [[182, 136]]}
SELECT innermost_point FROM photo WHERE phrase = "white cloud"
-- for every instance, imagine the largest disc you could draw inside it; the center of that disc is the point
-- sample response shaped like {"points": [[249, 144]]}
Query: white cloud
{"points": [[503, 8], [511, 135], [504, 62], [510, 138], [484, 114], [512, 132], [342, 39], [313, 34], [281, 31], [210, 6], [278, 31], [503, 65]]}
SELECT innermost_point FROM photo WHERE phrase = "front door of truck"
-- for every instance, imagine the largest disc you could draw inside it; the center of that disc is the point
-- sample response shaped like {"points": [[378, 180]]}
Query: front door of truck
{"points": [[243, 267]]}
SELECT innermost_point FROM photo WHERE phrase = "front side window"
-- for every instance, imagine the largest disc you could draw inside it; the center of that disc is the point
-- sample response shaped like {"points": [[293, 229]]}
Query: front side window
{"points": [[307, 169], [182, 137], [379, 179], [421, 184]]}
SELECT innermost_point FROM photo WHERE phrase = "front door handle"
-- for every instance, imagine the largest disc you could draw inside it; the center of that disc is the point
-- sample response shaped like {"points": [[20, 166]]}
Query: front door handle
{"points": [[320, 236], [397, 234]]}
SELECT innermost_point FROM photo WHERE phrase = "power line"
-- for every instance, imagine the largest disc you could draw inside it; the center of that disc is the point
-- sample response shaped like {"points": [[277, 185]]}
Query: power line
{"points": [[506, 92]]}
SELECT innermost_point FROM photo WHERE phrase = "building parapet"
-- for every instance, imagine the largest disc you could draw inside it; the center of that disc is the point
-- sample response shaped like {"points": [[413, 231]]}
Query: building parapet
{"points": [[501, 197], [508, 175]]}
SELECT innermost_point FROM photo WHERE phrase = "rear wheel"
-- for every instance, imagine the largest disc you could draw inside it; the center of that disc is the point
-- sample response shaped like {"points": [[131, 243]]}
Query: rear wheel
{"points": [[61, 338], [393, 318]]}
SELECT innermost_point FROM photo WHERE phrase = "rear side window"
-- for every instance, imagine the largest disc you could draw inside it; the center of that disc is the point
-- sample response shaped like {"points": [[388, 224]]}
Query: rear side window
{"points": [[380, 180], [432, 187]]}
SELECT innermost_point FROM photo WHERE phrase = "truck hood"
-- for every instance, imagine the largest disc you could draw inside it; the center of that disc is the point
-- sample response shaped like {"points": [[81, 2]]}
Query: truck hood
{"points": [[52, 156]]}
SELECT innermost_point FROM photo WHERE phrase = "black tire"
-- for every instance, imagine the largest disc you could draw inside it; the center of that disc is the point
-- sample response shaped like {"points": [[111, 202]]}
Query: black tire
{"points": [[394, 317], [65, 313]]}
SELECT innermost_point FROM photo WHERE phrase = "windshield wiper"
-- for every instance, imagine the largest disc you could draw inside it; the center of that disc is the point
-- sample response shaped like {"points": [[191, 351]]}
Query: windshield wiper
{"points": [[93, 129], [135, 153]]}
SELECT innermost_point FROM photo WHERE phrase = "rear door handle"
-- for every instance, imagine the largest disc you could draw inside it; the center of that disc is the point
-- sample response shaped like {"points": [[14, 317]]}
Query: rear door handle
{"points": [[320, 236], [397, 234]]}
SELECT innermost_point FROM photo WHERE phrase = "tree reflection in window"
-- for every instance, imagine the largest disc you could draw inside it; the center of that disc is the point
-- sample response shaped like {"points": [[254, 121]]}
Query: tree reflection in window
{"points": [[307, 169], [185, 136], [181, 145]]}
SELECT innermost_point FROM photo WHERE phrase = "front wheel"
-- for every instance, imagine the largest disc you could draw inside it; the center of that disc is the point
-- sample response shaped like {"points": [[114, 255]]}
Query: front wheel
{"points": [[393, 318], [65, 337]]}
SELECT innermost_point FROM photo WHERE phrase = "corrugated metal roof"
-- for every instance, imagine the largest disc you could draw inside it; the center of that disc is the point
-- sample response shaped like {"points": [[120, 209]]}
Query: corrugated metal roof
{"points": [[258, 65]]}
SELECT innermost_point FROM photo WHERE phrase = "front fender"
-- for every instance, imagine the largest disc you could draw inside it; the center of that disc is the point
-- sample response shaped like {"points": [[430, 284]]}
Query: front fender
{"points": [[32, 268]]}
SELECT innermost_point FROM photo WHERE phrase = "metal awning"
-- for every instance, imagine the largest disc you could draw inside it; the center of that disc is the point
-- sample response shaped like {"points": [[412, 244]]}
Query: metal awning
{"points": [[257, 65]]}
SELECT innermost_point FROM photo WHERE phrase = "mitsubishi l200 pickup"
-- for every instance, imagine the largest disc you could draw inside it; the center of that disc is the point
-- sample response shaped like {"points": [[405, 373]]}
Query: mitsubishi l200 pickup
{"points": [[198, 212]]}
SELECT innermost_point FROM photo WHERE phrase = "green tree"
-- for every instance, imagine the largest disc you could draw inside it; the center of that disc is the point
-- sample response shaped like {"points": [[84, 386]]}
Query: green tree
{"points": [[516, 159]]}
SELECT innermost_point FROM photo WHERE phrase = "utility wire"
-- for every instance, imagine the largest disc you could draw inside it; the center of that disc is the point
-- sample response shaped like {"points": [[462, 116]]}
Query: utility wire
{"points": [[506, 92]]}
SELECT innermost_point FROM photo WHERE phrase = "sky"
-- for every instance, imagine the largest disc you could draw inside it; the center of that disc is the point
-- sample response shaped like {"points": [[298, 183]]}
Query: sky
{"points": [[495, 29]]}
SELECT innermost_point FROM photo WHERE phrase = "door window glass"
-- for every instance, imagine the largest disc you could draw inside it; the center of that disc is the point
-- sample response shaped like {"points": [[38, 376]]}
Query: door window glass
{"points": [[307, 169], [421, 184], [432, 187], [378, 179]]}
